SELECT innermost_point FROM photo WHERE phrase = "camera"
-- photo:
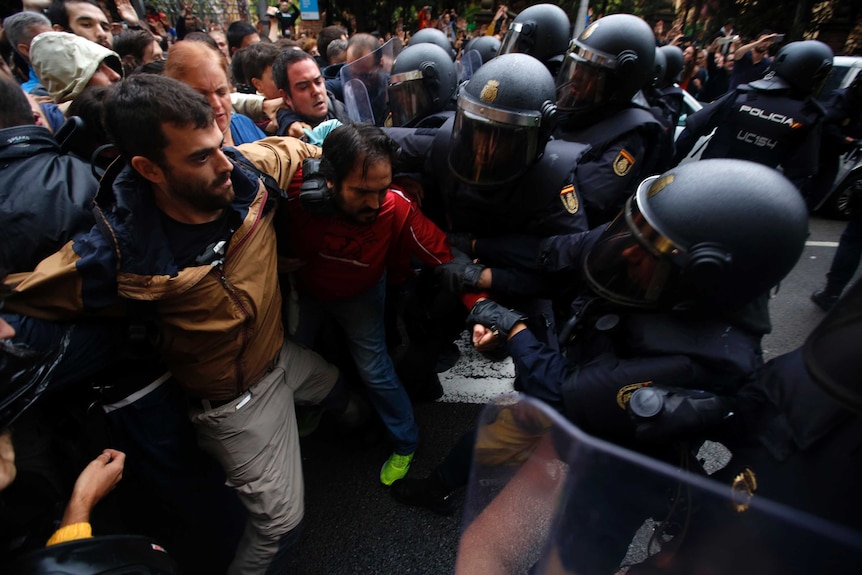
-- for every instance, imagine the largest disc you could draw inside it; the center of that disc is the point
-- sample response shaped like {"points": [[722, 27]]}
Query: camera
{"points": [[315, 195]]}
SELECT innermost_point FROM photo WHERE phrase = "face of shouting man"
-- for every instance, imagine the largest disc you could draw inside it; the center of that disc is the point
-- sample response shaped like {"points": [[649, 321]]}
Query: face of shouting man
{"points": [[307, 96], [362, 192]]}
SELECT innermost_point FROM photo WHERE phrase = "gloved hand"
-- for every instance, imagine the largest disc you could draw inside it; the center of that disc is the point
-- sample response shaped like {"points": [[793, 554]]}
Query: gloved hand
{"points": [[316, 135], [495, 317], [460, 274], [674, 413], [462, 242]]}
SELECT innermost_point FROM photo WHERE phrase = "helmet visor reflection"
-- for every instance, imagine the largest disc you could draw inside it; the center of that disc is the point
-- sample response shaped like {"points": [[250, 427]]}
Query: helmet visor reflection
{"points": [[580, 84], [625, 266], [408, 98], [485, 153], [518, 38]]}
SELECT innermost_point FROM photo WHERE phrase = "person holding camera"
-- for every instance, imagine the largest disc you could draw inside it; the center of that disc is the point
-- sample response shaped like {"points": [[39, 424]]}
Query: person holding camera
{"points": [[351, 233]]}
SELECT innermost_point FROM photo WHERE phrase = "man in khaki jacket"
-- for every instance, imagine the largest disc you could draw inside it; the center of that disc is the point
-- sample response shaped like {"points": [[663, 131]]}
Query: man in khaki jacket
{"points": [[182, 226]]}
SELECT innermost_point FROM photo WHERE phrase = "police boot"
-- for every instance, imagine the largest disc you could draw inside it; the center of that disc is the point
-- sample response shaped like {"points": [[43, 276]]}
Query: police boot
{"points": [[826, 298]]}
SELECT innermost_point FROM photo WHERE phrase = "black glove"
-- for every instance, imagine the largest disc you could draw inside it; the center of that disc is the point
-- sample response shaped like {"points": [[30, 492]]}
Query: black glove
{"points": [[460, 274], [495, 317], [673, 413], [462, 242]]}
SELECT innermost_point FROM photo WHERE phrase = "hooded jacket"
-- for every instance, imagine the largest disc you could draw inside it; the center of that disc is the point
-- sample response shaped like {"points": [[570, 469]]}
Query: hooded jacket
{"points": [[220, 325], [65, 63]]}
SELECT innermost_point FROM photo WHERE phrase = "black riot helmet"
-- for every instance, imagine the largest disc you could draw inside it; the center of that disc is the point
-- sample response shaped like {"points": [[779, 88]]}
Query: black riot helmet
{"points": [[831, 352], [542, 31], [801, 67], [674, 63], [660, 68], [422, 81], [433, 36], [486, 46], [609, 62], [504, 119], [715, 234]]}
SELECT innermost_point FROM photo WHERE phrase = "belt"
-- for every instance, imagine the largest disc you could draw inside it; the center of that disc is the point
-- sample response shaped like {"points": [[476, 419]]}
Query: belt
{"points": [[210, 404]]}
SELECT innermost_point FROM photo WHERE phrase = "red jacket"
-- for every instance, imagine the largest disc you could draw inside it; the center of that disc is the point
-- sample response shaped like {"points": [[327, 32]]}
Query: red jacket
{"points": [[343, 259]]}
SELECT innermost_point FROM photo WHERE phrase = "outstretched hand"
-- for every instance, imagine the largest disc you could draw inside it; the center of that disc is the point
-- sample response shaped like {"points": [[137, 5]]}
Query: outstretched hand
{"points": [[96, 481]]}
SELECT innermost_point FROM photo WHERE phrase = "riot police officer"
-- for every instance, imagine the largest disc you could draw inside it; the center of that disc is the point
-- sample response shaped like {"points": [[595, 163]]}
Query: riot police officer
{"points": [[422, 82], [666, 99], [668, 297], [606, 66], [542, 31], [433, 36], [775, 120]]}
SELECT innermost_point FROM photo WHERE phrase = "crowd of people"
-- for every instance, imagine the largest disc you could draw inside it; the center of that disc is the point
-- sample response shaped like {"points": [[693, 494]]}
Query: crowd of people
{"points": [[223, 238]]}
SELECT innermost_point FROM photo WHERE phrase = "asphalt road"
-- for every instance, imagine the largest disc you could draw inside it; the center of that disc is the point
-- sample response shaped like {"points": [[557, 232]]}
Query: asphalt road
{"points": [[352, 524]]}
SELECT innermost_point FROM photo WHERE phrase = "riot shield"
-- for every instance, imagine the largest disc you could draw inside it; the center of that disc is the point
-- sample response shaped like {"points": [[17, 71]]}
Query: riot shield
{"points": [[546, 498], [366, 83], [470, 61]]}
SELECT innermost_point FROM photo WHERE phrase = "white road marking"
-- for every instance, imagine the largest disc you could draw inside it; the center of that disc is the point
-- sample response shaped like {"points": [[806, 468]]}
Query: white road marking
{"points": [[813, 244]]}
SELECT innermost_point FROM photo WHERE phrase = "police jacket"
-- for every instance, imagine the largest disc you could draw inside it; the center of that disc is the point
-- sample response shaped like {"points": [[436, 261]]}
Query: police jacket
{"points": [[46, 197], [220, 321], [768, 127], [622, 153], [543, 201]]}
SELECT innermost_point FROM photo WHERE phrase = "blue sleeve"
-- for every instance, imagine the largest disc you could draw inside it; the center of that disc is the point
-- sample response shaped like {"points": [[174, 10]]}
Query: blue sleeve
{"points": [[243, 130]]}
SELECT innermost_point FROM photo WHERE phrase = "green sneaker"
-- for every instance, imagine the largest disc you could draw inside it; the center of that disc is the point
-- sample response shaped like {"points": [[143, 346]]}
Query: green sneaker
{"points": [[395, 468]]}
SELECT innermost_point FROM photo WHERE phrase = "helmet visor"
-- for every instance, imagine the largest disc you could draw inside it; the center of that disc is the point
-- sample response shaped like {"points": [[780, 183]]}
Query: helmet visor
{"points": [[581, 83], [491, 146], [408, 98], [632, 263], [518, 38]]}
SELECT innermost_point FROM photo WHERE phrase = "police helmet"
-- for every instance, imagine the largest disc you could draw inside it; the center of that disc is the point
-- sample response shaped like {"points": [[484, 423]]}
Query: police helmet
{"points": [[674, 64], [801, 67], [610, 61], [542, 31], [422, 81], [715, 234], [660, 68], [487, 46], [503, 121], [831, 352], [433, 36]]}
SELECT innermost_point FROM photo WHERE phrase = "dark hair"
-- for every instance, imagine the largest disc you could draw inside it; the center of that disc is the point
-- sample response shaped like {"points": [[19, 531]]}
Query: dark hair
{"points": [[285, 59], [236, 32], [198, 36], [14, 106], [327, 35], [256, 59], [237, 72], [131, 45], [136, 108], [88, 106], [58, 15], [350, 142]]}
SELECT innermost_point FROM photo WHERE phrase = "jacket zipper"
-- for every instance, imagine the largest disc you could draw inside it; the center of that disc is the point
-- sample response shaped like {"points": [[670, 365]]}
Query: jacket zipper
{"points": [[232, 293]]}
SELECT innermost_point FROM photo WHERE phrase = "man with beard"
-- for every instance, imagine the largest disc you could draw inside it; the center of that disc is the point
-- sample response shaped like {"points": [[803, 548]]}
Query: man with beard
{"points": [[348, 229], [187, 233]]}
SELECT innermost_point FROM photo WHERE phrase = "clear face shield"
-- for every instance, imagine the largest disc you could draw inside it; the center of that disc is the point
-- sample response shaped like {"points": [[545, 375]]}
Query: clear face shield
{"points": [[365, 82], [633, 263], [519, 38], [408, 97], [492, 146], [582, 82]]}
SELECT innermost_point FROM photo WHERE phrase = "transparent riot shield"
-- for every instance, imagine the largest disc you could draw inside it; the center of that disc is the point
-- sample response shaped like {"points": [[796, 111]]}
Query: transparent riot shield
{"points": [[366, 83], [470, 61], [546, 498]]}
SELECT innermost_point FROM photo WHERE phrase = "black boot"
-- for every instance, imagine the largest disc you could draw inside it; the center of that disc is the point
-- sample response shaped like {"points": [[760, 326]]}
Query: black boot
{"points": [[825, 298], [429, 493]]}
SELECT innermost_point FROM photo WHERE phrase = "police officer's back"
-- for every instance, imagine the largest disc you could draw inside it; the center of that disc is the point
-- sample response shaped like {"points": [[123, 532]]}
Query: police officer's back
{"points": [[773, 121]]}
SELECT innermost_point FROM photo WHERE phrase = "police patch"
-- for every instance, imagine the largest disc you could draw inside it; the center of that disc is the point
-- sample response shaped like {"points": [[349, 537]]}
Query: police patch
{"points": [[489, 91], [623, 163], [569, 199], [625, 392]]}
